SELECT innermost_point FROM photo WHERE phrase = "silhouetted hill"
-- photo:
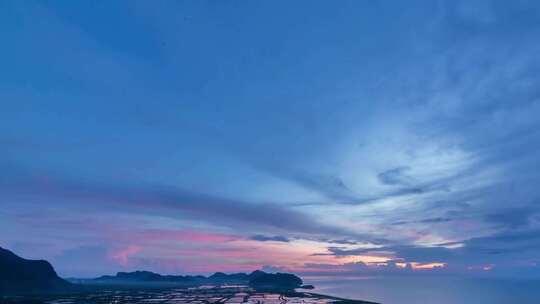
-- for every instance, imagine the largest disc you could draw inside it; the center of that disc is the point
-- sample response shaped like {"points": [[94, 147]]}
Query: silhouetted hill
{"points": [[21, 276], [144, 276], [220, 276], [256, 279], [279, 281], [255, 274]]}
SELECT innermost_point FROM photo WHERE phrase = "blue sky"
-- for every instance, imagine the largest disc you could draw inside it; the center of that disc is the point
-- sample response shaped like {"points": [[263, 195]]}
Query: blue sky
{"points": [[308, 136]]}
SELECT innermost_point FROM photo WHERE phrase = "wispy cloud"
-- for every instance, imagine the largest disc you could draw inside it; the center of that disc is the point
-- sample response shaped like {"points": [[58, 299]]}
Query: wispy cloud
{"points": [[170, 203], [122, 256], [264, 238], [320, 142]]}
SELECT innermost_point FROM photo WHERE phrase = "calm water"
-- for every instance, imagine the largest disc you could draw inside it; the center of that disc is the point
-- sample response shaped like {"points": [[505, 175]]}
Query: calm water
{"points": [[426, 290]]}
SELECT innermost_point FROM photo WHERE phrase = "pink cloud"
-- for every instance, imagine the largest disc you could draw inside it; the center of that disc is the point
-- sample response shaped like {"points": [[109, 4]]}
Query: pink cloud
{"points": [[209, 268], [122, 256], [186, 236]]}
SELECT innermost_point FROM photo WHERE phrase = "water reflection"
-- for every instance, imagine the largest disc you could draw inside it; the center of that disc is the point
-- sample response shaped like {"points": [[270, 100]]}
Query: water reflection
{"points": [[426, 290]]}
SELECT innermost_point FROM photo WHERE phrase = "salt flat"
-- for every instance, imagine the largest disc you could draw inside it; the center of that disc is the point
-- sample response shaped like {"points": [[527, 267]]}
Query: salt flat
{"points": [[216, 295]]}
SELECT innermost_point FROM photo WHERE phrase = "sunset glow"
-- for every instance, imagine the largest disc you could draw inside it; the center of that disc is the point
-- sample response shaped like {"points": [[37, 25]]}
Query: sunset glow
{"points": [[339, 139]]}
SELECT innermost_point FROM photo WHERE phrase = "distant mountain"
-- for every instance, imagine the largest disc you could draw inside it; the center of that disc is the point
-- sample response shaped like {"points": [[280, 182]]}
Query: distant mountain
{"points": [[143, 276], [256, 279], [21, 276], [280, 281], [220, 276], [255, 274], [148, 276]]}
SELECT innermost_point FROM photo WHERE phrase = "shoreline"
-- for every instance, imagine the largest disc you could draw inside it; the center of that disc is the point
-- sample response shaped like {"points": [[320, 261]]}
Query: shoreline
{"points": [[213, 295]]}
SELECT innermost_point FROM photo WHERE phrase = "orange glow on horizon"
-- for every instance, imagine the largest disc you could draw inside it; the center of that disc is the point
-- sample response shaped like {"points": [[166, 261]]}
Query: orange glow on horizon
{"points": [[420, 266]]}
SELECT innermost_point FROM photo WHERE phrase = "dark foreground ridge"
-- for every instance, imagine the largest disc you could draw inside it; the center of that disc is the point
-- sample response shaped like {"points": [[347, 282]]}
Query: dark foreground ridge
{"points": [[18, 275]]}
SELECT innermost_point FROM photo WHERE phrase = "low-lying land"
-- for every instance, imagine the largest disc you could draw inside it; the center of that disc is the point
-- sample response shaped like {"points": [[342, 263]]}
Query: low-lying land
{"points": [[199, 295]]}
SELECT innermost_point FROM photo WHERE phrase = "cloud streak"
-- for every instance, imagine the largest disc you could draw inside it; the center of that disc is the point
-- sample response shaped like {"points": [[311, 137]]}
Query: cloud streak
{"points": [[170, 203], [264, 238]]}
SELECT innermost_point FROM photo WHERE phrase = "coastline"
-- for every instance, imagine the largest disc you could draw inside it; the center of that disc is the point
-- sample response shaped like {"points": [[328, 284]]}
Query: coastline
{"points": [[213, 295]]}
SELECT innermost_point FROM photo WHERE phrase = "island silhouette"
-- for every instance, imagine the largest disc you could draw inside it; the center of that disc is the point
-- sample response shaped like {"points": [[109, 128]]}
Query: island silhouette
{"points": [[257, 279]]}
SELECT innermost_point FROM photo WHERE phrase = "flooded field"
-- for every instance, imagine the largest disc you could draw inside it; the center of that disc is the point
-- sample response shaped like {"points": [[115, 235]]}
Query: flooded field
{"points": [[204, 295]]}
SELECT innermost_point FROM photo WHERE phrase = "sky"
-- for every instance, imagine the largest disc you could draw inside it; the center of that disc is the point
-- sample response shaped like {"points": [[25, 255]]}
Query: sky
{"points": [[317, 137]]}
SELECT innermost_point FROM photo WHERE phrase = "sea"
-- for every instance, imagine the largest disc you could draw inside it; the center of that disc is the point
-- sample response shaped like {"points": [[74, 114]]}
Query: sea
{"points": [[430, 290]]}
